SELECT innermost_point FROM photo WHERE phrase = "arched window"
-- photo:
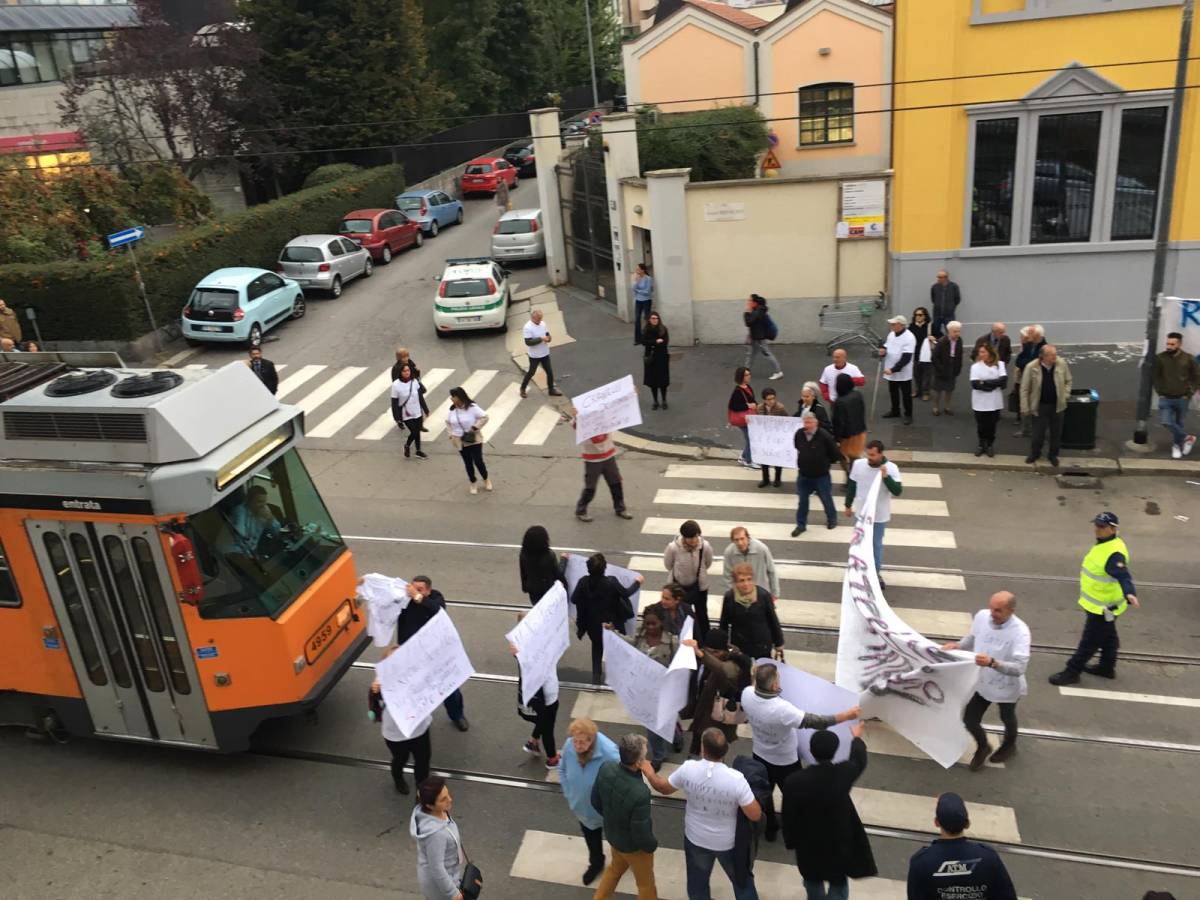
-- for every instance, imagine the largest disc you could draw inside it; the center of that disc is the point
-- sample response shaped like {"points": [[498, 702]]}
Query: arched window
{"points": [[827, 113]]}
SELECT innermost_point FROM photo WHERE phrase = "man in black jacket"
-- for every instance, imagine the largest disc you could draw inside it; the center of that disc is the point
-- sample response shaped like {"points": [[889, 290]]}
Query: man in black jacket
{"points": [[264, 369], [423, 604], [944, 297], [816, 451], [952, 866]]}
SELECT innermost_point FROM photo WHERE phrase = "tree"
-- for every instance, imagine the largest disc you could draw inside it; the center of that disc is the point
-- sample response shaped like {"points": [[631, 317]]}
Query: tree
{"points": [[717, 144], [513, 39], [460, 34], [161, 94], [562, 46]]}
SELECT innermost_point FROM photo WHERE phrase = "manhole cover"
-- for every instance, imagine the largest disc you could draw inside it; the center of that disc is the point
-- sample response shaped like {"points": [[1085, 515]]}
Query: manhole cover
{"points": [[1077, 479]]}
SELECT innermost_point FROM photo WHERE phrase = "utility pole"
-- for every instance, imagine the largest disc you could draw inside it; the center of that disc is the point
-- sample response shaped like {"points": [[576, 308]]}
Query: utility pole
{"points": [[1162, 236], [587, 14], [146, 300]]}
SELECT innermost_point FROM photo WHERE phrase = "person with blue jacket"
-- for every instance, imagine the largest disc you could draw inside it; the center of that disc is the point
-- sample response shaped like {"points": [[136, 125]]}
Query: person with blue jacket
{"points": [[577, 770], [643, 298], [953, 866]]}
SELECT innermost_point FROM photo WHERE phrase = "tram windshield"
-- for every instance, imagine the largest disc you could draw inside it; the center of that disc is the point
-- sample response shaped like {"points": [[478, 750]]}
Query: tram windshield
{"points": [[262, 545]]}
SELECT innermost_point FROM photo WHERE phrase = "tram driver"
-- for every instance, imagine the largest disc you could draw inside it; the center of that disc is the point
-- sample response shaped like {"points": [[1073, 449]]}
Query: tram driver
{"points": [[253, 534]]}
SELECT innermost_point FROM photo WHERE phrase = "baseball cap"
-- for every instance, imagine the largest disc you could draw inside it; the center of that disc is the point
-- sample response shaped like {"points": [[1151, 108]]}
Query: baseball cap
{"points": [[952, 813], [898, 320], [1106, 518]]}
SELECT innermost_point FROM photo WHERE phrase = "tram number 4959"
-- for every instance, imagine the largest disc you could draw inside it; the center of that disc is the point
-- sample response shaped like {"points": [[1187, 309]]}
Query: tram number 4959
{"points": [[323, 637]]}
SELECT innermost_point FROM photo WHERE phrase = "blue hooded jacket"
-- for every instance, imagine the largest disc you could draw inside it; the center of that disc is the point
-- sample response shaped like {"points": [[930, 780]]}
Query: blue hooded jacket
{"points": [[577, 780]]}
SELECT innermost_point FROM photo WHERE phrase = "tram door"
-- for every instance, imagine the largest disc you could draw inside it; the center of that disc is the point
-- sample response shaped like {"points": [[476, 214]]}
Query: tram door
{"points": [[122, 626]]}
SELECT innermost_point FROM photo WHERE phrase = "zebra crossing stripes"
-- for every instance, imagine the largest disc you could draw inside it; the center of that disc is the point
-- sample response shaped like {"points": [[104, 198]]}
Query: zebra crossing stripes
{"points": [[901, 506], [369, 395], [501, 408], [539, 427], [298, 379], [781, 531], [830, 574], [384, 424], [311, 401], [733, 472]]}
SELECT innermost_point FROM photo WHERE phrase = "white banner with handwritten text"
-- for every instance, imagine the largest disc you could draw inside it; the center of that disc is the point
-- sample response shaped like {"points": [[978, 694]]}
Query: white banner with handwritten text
{"points": [[541, 638], [773, 440], [606, 409], [422, 672]]}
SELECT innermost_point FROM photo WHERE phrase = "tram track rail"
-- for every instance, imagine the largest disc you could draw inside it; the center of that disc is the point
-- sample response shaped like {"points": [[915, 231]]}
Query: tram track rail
{"points": [[515, 782]]}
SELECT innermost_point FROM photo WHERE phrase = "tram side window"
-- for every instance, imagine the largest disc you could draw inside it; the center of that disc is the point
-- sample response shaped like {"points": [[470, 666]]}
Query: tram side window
{"points": [[264, 543], [8, 584]]}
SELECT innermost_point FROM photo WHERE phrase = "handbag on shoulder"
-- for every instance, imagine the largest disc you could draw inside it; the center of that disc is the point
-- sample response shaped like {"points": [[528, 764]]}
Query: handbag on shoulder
{"points": [[471, 884]]}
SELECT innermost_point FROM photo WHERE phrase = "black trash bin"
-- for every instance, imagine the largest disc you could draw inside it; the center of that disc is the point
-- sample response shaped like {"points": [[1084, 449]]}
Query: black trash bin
{"points": [[1079, 420]]}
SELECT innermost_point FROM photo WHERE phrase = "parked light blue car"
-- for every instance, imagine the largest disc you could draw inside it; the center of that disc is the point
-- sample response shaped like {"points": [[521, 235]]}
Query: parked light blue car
{"points": [[434, 210], [240, 305]]}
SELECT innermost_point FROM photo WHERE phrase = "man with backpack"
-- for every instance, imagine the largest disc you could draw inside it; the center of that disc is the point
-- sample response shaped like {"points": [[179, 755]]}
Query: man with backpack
{"points": [[762, 330]]}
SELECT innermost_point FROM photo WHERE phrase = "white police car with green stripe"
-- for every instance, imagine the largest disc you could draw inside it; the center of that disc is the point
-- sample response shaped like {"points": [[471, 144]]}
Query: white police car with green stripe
{"points": [[473, 295]]}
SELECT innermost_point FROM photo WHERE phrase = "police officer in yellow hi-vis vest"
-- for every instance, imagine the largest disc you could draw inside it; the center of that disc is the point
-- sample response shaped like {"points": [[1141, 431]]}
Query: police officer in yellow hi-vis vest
{"points": [[1105, 592]]}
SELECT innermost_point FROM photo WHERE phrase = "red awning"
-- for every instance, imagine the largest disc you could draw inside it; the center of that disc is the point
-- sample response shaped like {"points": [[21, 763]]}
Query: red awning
{"points": [[47, 142]]}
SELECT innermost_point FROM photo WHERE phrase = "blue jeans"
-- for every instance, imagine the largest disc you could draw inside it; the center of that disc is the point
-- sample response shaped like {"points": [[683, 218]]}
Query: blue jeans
{"points": [[659, 746], [1171, 413], [745, 436], [880, 528], [641, 309], [823, 485], [699, 872], [454, 706], [838, 890]]}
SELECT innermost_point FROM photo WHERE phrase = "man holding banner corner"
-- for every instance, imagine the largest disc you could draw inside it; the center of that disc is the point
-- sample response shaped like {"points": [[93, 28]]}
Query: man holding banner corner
{"points": [[858, 485]]}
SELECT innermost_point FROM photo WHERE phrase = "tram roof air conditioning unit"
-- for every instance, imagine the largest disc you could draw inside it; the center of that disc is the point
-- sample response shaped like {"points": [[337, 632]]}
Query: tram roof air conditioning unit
{"points": [[151, 417]]}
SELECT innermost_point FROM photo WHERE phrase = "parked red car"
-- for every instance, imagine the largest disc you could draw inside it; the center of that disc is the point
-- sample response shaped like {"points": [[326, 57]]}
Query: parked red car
{"points": [[382, 232], [483, 175]]}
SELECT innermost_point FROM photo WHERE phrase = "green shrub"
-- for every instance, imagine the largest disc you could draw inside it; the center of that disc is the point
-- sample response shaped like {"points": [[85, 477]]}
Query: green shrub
{"points": [[331, 172], [98, 300], [717, 144]]}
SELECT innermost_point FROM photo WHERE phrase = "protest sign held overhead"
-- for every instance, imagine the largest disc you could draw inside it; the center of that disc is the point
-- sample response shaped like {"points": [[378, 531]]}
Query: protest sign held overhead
{"points": [[772, 440], [903, 678], [605, 409], [423, 672], [541, 638], [386, 598]]}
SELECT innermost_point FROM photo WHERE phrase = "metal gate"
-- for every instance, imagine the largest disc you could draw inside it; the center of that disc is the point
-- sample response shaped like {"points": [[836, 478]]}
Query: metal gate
{"points": [[583, 194]]}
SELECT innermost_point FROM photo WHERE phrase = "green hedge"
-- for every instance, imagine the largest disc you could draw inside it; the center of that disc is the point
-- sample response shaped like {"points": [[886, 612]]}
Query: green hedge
{"points": [[718, 144], [98, 300]]}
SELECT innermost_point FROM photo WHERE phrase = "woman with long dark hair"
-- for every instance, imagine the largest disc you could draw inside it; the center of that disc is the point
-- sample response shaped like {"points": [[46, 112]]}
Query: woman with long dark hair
{"points": [[465, 423], [849, 420], [601, 600], [923, 363], [539, 564], [406, 408], [988, 378], [656, 367], [742, 404]]}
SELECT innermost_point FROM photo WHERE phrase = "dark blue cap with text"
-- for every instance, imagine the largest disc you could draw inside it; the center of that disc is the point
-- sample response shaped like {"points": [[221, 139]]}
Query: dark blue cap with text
{"points": [[1106, 518]]}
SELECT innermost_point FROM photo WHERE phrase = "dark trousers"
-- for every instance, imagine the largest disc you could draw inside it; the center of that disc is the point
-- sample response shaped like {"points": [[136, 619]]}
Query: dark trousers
{"points": [[1097, 635], [923, 379], [698, 599], [472, 456], [591, 476], [454, 706], [421, 751], [985, 426], [777, 775], [823, 485], [641, 309], [544, 362], [1046, 421], [973, 715], [766, 474], [594, 838], [414, 433], [901, 393], [938, 328], [659, 394], [597, 657], [543, 728]]}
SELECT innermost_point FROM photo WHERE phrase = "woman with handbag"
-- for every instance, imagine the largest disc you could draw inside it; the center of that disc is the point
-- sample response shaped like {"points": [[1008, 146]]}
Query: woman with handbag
{"points": [[465, 423], [741, 405], [718, 685], [601, 600], [748, 616], [656, 367], [443, 870], [406, 409], [539, 565]]}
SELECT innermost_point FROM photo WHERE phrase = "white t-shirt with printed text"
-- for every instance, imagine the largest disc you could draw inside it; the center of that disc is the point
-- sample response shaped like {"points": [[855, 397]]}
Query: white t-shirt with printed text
{"points": [[773, 723], [715, 792]]}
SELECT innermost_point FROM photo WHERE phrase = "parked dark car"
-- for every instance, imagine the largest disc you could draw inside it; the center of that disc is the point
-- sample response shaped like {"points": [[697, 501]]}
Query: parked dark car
{"points": [[522, 159]]}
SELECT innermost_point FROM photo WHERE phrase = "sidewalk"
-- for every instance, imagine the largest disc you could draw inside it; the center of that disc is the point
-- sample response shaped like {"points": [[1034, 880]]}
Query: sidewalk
{"points": [[702, 380]]}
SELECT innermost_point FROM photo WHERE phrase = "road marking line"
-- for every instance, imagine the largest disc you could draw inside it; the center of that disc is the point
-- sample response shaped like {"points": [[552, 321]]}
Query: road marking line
{"points": [[501, 408], [539, 427], [179, 357], [312, 401], [1129, 697], [734, 472], [377, 387], [383, 425], [196, 366], [764, 500], [832, 574], [298, 379], [474, 385], [780, 531]]}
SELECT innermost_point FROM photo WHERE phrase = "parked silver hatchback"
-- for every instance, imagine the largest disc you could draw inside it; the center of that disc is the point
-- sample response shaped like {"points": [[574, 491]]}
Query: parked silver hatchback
{"points": [[324, 262], [518, 235]]}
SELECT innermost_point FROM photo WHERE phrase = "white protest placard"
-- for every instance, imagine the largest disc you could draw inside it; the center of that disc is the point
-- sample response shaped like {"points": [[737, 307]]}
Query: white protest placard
{"points": [[605, 409], [902, 677], [673, 695], [386, 598], [541, 638], [652, 693], [816, 695], [773, 440], [422, 672], [575, 569]]}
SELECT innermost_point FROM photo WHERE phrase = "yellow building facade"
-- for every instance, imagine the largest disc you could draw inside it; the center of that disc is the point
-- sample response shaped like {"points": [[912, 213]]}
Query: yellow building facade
{"points": [[1029, 152]]}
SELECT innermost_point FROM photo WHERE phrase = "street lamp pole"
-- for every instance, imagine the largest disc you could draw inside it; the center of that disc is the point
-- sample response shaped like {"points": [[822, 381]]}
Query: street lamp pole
{"points": [[1163, 233], [587, 14]]}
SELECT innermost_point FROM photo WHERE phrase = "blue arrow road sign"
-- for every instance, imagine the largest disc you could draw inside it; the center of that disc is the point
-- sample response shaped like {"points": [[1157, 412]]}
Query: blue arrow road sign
{"points": [[128, 236]]}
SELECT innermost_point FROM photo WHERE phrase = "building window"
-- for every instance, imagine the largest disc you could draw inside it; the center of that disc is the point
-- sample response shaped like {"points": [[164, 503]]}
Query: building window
{"points": [[1064, 178], [9, 596], [826, 114], [1139, 172], [40, 57], [992, 197]]}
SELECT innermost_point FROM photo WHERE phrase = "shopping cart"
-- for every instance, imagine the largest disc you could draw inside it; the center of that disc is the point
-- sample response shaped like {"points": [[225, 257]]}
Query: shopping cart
{"points": [[850, 319]]}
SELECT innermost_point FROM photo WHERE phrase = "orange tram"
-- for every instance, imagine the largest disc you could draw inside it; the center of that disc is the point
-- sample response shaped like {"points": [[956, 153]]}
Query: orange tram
{"points": [[168, 572]]}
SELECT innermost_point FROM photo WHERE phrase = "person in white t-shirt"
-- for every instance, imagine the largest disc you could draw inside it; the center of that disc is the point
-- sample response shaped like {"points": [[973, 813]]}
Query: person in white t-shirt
{"points": [[898, 352], [775, 723], [715, 794], [839, 366], [537, 348], [988, 377], [862, 473]]}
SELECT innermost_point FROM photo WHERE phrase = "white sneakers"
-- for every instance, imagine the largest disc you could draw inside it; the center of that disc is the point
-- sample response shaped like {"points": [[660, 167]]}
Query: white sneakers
{"points": [[776, 376], [487, 484], [474, 488], [1189, 444], [1176, 453]]}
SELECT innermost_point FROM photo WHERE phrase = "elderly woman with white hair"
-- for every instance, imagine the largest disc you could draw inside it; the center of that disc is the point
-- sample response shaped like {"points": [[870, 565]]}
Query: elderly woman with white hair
{"points": [[947, 361], [810, 402], [1033, 339]]}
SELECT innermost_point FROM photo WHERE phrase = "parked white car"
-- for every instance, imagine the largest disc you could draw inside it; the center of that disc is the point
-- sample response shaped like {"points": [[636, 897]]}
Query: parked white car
{"points": [[473, 295], [324, 262], [518, 234]]}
